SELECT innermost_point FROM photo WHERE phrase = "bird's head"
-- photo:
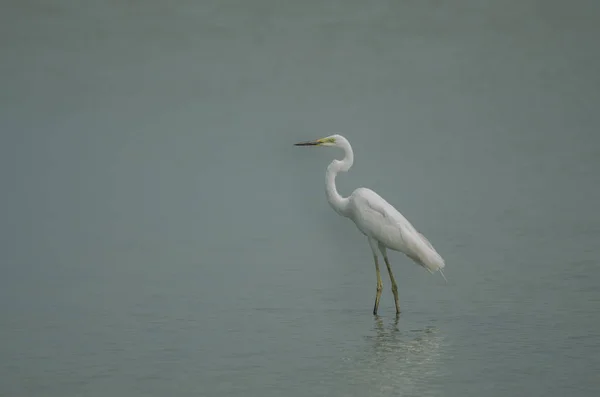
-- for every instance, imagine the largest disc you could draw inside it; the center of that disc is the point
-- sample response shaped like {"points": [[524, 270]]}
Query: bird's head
{"points": [[331, 140]]}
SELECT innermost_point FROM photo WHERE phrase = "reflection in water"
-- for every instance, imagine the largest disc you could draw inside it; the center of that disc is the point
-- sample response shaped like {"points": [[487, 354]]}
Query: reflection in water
{"points": [[399, 362]]}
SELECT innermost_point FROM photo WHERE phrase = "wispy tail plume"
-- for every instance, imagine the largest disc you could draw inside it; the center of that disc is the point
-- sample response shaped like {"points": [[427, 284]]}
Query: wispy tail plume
{"points": [[442, 273]]}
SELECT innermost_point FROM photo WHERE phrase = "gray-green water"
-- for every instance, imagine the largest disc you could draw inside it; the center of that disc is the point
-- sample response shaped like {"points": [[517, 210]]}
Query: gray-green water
{"points": [[161, 236]]}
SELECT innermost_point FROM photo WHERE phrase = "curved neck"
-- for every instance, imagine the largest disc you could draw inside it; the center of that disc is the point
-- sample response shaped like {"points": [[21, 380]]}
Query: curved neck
{"points": [[339, 203]]}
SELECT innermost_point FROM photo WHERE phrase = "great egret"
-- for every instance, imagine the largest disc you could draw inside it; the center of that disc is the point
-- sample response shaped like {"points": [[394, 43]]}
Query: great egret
{"points": [[383, 225]]}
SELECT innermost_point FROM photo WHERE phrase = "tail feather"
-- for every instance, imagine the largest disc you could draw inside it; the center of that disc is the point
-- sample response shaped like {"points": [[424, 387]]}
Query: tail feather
{"points": [[428, 257], [442, 273]]}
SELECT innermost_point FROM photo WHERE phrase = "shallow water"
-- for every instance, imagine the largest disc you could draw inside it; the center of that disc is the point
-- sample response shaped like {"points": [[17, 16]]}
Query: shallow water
{"points": [[162, 236]]}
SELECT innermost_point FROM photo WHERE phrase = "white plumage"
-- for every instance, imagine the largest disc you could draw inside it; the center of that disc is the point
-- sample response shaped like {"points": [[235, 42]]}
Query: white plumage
{"points": [[377, 219]]}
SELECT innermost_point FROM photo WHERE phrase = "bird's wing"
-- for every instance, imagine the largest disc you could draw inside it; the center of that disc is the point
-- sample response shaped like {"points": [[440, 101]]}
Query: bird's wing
{"points": [[425, 240], [394, 217], [382, 221], [388, 213]]}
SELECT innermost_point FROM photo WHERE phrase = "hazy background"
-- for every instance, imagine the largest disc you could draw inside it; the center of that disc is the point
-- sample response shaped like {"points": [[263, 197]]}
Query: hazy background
{"points": [[161, 235]]}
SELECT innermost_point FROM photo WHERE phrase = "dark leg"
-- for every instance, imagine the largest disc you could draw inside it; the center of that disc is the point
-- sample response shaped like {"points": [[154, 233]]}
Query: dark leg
{"points": [[373, 245], [394, 285], [379, 285]]}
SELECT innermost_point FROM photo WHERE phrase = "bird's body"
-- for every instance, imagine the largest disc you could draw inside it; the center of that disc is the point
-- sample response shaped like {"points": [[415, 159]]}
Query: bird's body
{"points": [[379, 220], [384, 226]]}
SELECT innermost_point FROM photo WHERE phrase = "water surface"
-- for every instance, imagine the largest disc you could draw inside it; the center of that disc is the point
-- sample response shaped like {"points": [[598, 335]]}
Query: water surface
{"points": [[162, 236]]}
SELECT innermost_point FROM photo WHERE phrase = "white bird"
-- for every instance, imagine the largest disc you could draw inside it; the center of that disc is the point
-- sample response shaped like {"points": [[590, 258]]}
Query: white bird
{"points": [[383, 225]]}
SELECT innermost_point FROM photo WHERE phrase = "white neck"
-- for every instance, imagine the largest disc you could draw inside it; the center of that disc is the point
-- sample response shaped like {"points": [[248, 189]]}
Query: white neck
{"points": [[339, 203]]}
